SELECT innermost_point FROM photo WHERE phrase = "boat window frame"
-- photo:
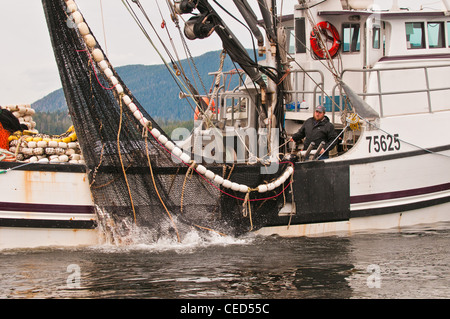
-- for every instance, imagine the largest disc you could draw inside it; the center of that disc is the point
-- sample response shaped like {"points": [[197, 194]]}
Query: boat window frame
{"points": [[441, 34], [447, 30], [354, 41], [300, 35], [290, 40], [376, 36], [423, 37]]}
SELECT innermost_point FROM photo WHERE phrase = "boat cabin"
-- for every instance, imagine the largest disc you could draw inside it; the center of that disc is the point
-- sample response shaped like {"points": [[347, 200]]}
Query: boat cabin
{"points": [[395, 59], [380, 53]]}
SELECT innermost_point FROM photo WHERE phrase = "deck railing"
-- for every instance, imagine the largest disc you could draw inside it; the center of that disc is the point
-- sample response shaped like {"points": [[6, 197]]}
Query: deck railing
{"points": [[426, 81]]}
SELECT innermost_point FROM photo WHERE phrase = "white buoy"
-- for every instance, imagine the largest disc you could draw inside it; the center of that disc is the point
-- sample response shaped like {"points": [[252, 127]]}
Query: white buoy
{"points": [[22, 109], [108, 72], [71, 7], [70, 151], [98, 56], [75, 157], [155, 132], [77, 17], [163, 139], [145, 122], [133, 108], [83, 28], [113, 80], [90, 41], [103, 65], [235, 186], [32, 144], [227, 183], [72, 145], [209, 174], [119, 89], [38, 151], [201, 169], [262, 188], [243, 188], [63, 158], [53, 144], [218, 179], [177, 151], [185, 158], [42, 144], [169, 145], [126, 99], [278, 183], [137, 114]]}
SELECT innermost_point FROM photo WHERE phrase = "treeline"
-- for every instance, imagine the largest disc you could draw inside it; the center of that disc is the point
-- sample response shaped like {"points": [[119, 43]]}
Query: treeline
{"points": [[52, 123], [169, 126], [56, 123]]}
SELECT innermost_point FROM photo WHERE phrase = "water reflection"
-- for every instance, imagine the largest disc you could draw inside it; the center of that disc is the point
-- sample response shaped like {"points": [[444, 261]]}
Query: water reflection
{"points": [[412, 264]]}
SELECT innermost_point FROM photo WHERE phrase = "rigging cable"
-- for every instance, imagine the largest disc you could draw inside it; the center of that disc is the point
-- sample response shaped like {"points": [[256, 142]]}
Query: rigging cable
{"points": [[186, 85], [103, 25], [170, 69]]}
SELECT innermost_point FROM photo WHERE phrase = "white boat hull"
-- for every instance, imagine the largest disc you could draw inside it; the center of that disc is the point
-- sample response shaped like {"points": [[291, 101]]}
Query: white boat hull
{"points": [[51, 205], [386, 186], [46, 205], [389, 222], [26, 237]]}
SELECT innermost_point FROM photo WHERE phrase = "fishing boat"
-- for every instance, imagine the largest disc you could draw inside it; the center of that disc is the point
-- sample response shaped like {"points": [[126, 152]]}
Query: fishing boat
{"points": [[379, 74]]}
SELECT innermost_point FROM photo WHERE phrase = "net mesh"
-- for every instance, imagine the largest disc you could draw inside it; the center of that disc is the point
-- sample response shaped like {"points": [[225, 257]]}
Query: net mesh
{"points": [[133, 179]]}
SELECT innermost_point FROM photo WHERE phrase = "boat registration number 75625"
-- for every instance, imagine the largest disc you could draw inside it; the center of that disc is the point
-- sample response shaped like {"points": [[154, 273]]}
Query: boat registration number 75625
{"points": [[383, 143]]}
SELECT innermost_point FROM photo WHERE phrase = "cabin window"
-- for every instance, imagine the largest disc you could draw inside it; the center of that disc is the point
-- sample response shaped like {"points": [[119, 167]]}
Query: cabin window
{"points": [[376, 37], [415, 35], [351, 39], [448, 34], [290, 40], [300, 35], [436, 35]]}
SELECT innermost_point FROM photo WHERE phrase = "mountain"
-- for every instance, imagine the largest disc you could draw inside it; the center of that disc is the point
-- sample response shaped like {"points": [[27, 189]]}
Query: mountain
{"points": [[154, 88]]}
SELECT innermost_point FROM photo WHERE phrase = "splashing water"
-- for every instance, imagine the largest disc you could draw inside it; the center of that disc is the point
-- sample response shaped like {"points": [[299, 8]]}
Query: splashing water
{"points": [[126, 235]]}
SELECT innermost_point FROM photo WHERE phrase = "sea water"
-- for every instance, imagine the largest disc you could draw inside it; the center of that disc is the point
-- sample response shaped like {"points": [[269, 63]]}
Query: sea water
{"points": [[406, 263]]}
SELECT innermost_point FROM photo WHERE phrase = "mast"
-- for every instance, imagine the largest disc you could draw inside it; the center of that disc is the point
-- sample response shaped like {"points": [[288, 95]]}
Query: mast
{"points": [[268, 76], [274, 92]]}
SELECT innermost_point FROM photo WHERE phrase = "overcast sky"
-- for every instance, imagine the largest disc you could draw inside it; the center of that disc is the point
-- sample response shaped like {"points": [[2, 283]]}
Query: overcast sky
{"points": [[27, 67]]}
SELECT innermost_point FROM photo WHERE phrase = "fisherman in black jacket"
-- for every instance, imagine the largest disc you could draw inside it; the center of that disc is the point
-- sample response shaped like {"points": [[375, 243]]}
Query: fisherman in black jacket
{"points": [[317, 129]]}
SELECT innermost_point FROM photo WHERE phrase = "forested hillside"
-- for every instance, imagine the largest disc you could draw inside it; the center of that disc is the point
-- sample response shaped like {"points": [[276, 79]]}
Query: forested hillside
{"points": [[152, 85]]}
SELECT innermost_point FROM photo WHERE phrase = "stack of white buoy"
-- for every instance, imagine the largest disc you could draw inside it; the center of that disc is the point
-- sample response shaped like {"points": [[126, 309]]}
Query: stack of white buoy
{"points": [[32, 146], [98, 56], [44, 148], [24, 113]]}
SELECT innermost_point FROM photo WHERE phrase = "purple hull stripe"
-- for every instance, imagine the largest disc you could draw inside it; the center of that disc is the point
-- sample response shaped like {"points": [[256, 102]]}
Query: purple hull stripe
{"points": [[46, 208], [399, 194]]}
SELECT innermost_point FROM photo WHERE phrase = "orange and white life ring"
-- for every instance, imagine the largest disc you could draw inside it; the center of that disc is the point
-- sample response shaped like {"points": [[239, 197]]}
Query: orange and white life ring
{"points": [[330, 32]]}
